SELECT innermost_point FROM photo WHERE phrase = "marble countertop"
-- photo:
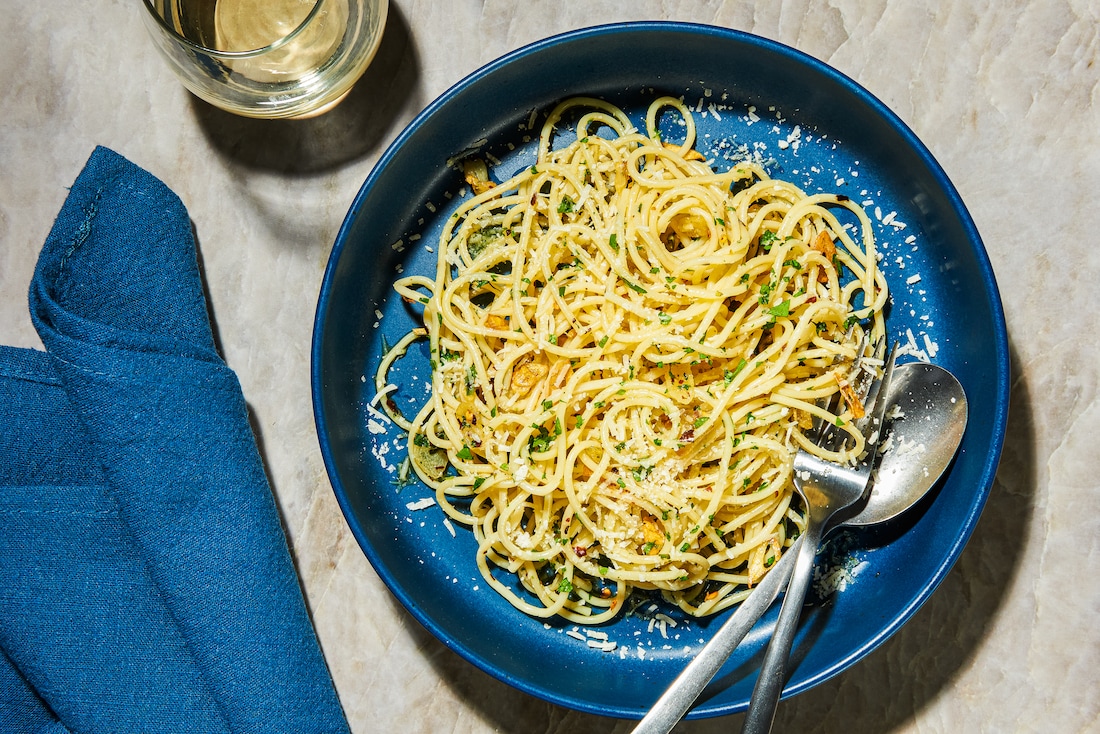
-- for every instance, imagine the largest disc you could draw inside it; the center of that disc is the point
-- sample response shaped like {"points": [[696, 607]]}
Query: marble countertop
{"points": [[1007, 97]]}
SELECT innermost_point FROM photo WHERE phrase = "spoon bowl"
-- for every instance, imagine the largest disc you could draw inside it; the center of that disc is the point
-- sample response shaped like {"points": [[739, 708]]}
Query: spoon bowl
{"points": [[927, 418], [925, 421]]}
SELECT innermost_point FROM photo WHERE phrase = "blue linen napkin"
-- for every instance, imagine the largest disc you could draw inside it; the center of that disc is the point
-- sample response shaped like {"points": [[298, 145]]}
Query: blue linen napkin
{"points": [[145, 580]]}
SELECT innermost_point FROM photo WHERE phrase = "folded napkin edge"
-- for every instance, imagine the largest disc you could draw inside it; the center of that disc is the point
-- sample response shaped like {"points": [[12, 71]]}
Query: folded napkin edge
{"points": [[31, 365]]}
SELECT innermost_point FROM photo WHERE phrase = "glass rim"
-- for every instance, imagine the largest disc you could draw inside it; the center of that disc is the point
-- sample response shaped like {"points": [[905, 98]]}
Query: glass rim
{"points": [[251, 53]]}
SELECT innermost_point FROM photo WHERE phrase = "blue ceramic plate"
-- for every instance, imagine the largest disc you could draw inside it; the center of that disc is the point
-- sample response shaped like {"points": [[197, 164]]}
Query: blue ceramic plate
{"points": [[811, 125]]}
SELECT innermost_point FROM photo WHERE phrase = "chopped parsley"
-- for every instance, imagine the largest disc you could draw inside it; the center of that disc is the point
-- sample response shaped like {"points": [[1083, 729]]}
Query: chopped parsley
{"points": [[544, 439], [471, 379], [482, 238], [767, 239], [782, 310]]}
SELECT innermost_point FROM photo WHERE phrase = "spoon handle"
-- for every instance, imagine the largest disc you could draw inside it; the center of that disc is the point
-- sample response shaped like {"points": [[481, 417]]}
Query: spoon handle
{"points": [[773, 671], [677, 699]]}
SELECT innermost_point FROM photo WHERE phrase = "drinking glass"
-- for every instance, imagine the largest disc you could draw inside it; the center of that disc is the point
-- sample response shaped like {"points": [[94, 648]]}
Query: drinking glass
{"points": [[268, 58]]}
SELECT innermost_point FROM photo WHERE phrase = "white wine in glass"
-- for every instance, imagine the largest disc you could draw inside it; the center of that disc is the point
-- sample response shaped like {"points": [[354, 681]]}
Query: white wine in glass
{"points": [[268, 58]]}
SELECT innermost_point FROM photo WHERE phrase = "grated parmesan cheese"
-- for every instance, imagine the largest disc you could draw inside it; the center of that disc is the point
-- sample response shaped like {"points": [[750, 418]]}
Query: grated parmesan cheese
{"points": [[836, 578]]}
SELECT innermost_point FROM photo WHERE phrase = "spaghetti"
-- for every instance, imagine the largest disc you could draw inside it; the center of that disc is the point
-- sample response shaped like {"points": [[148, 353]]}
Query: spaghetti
{"points": [[628, 347]]}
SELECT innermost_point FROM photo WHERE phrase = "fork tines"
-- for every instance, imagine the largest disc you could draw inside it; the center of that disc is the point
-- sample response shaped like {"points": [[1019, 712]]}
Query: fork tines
{"points": [[875, 403], [868, 384]]}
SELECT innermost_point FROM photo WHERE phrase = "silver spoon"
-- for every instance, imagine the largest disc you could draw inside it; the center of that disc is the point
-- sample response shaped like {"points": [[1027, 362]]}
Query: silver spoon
{"points": [[930, 417]]}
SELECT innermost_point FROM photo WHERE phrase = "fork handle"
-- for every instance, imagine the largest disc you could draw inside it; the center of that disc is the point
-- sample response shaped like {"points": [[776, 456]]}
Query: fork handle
{"points": [[679, 696], [773, 671]]}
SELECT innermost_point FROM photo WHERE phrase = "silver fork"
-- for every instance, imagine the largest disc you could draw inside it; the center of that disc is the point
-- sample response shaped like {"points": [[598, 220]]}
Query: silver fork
{"points": [[826, 489], [683, 691]]}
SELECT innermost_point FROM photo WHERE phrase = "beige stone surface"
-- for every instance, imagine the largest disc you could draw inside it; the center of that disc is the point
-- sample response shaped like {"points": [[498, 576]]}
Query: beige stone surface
{"points": [[1005, 94]]}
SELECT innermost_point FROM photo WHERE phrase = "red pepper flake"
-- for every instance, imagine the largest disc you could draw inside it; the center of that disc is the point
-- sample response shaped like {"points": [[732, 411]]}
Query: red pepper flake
{"points": [[581, 551]]}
